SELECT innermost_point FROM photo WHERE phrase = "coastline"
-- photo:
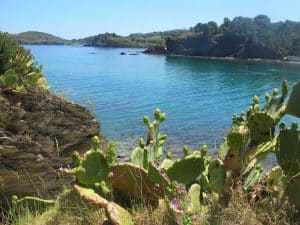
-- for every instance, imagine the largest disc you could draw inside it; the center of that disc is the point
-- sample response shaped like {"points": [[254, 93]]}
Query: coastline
{"points": [[232, 59]]}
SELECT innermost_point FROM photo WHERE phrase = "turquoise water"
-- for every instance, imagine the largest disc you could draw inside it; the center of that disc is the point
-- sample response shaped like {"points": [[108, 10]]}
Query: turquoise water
{"points": [[199, 96]]}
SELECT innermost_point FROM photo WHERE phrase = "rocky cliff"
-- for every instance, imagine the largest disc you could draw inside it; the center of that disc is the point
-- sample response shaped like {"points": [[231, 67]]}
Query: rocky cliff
{"points": [[38, 133], [219, 45]]}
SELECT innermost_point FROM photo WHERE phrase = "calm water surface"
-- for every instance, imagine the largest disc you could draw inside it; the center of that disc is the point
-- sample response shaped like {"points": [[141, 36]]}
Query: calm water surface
{"points": [[198, 95]]}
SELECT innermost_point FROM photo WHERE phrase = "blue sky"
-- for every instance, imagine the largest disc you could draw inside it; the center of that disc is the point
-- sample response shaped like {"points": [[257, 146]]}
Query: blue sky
{"points": [[81, 18]]}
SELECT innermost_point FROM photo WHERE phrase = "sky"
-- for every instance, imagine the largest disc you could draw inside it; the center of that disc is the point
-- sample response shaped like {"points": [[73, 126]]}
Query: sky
{"points": [[81, 18]]}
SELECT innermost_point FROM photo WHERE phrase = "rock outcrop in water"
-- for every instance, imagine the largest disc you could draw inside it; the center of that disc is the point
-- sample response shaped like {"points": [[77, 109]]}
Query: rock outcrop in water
{"points": [[38, 133]]}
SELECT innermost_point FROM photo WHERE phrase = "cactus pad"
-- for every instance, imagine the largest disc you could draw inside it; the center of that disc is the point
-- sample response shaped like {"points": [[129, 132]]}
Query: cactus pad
{"points": [[216, 176], [253, 177], [293, 105], [261, 126], [194, 198], [118, 215], [131, 182], [157, 175], [187, 169], [288, 150], [90, 196], [93, 167], [140, 155], [293, 190]]}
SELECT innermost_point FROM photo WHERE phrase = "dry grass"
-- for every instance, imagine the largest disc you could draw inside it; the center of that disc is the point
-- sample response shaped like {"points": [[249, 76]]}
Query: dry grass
{"points": [[239, 210]]}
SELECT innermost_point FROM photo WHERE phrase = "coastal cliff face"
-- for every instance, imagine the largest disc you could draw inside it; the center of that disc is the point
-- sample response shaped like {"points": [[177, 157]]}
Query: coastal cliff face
{"points": [[220, 45], [38, 133]]}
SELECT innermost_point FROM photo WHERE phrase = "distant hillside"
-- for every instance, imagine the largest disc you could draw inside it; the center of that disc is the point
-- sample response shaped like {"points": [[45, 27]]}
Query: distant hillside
{"points": [[241, 37], [138, 40], [34, 37]]}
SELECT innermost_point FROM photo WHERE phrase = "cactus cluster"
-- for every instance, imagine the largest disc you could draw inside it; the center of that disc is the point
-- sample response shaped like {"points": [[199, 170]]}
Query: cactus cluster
{"points": [[184, 183], [153, 148]]}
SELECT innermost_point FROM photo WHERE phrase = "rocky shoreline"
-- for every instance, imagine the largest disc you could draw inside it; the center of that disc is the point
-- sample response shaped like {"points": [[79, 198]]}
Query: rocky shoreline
{"points": [[162, 50]]}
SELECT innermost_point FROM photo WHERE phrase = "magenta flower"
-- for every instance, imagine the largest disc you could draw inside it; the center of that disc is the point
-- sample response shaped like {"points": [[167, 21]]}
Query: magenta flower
{"points": [[175, 203]]}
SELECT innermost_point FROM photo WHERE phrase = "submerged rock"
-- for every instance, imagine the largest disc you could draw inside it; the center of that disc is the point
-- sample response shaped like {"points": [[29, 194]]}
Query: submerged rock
{"points": [[38, 133]]}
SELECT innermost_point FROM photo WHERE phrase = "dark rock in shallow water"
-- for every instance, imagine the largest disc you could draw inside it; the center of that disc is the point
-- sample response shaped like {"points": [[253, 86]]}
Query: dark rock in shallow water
{"points": [[122, 53], [160, 49], [133, 54], [38, 133]]}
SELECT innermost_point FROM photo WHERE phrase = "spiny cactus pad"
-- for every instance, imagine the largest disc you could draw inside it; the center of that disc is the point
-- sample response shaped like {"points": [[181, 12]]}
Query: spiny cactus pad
{"points": [[293, 190], [131, 183], [194, 198], [288, 149], [157, 175], [140, 155], [253, 177], [293, 105], [216, 175], [118, 215], [261, 126], [93, 167], [187, 169], [90, 196]]}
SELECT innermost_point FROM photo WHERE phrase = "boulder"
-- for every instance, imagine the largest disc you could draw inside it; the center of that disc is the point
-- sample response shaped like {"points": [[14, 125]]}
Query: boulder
{"points": [[38, 133]]}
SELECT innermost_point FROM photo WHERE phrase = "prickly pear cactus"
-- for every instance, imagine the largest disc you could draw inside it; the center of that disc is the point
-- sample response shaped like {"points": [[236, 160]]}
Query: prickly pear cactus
{"points": [[253, 177], [92, 168], [118, 215], [131, 182], [31, 203], [216, 176], [155, 140], [158, 175], [234, 146], [90, 196], [274, 178], [293, 105], [187, 169], [9, 79], [288, 149], [293, 190], [153, 149], [194, 198], [110, 154], [140, 155], [262, 122], [167, 162]]}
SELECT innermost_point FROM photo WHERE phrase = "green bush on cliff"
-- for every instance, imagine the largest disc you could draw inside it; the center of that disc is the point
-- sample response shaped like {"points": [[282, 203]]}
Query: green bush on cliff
{"points": [[17, 66]]}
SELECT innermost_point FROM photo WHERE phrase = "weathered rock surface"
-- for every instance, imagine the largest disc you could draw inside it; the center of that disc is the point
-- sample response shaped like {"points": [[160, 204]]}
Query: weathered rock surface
{"points": [[38, 133]]}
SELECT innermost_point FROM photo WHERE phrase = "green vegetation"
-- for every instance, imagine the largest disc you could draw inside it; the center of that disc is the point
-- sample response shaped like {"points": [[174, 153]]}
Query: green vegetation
{"points": [[133, 40], [195, 189], [156, 189], [17, 67], [34, 37], [241, 37]]}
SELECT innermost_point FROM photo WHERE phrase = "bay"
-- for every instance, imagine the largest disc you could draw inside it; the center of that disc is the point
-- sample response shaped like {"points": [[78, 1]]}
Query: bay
{"points": [[199, 96]]}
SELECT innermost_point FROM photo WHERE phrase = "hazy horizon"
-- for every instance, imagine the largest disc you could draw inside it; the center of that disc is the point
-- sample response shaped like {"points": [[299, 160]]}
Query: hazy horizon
{"points": [[73, 19]]}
